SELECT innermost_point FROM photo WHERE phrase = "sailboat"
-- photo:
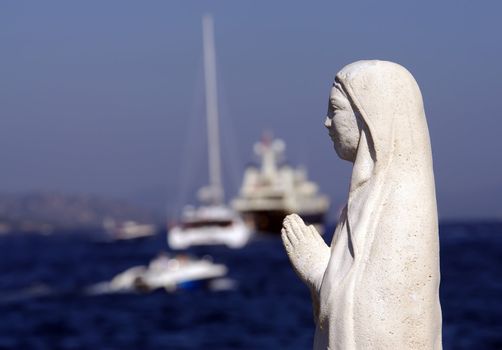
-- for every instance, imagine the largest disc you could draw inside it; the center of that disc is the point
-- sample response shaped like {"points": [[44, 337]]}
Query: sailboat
{"points": [[214, 222]]}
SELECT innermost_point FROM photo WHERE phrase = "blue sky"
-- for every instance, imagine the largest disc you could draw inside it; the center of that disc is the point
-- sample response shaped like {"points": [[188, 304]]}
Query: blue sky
{"points": [[106, 97]]}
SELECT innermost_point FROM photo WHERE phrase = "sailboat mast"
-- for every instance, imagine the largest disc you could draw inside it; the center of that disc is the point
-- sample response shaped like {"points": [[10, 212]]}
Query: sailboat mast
{"points": [[213, 136]]}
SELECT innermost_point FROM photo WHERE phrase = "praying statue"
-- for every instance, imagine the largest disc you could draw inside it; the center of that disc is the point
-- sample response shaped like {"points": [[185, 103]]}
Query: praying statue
{"points": [[377, 285]]}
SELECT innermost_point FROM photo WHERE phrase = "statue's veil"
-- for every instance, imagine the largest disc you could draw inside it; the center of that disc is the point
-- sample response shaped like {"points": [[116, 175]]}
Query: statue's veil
{"points": [[387, 237]]}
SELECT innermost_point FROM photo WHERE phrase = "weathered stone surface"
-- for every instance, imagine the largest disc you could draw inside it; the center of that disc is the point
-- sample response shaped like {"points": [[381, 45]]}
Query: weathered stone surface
{"points": [[376, 287]]}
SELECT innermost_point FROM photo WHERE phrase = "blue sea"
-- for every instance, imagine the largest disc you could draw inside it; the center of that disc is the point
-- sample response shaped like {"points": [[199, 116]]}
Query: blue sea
{"points": [[43, 304]]}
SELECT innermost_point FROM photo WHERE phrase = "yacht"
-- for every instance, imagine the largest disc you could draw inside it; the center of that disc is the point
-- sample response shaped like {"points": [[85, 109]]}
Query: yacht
{"points": [[275, 189], [209, 225]]}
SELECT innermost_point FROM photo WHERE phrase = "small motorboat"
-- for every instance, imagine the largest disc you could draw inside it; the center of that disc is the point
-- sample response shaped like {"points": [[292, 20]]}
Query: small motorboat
{"points": [[169, 273]]}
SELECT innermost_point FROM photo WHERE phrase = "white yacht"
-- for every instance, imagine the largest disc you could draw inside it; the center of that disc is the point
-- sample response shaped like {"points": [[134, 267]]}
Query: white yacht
{"points": [[274, 189], [214, 222], [209, 225]]}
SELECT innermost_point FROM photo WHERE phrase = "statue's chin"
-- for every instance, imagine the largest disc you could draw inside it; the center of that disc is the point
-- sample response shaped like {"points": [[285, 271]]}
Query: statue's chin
{"points": [[344, 153]]}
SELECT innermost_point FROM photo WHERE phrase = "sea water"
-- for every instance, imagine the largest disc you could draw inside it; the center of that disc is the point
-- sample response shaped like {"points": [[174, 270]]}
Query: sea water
{"points": [[43, 303]]}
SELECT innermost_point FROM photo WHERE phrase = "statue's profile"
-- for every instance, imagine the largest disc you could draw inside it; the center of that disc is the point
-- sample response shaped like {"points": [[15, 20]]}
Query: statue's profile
{"points": [[377, 286]]}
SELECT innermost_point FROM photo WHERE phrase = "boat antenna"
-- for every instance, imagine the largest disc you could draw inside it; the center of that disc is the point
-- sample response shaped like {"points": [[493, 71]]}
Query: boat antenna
{"points": [[213, 137]]}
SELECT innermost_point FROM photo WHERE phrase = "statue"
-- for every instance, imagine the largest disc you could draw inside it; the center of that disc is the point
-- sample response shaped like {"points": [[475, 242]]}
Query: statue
{"points": [[377, 286]]}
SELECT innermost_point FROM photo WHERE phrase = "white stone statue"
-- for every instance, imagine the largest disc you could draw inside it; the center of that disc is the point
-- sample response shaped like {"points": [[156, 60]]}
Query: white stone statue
{"points": [[376, 287]]}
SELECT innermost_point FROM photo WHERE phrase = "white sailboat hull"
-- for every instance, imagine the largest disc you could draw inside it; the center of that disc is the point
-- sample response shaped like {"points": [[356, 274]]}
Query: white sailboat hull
{"points": [[234, 236]]}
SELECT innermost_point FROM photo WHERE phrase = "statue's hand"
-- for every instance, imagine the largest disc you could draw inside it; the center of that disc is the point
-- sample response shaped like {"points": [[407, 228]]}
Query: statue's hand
{"points": [[306, 250]]}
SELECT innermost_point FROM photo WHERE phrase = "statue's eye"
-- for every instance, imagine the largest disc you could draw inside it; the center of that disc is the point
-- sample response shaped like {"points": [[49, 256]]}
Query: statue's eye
{"points": [[336, 104]]}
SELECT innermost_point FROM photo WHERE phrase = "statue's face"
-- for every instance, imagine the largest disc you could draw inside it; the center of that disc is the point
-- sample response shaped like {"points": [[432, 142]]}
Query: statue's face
{"points": [[341, 123]]}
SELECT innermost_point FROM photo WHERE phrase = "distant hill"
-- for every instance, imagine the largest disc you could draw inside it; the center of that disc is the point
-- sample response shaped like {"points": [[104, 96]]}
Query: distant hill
{"points": [[49, 212]]}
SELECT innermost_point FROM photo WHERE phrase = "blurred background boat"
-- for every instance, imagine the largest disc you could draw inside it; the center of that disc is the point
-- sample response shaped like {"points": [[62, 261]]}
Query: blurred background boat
{"points": [[128, 229], [214, 222], [275, 189], [169, 273], [209, 225]]}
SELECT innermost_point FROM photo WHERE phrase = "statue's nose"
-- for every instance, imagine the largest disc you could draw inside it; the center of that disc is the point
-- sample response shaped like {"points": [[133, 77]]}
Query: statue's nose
{"points": [[327, 122]]}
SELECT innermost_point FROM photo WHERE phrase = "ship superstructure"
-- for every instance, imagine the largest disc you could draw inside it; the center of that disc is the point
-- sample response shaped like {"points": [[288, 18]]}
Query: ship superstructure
{"points": [[274, 189]]}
